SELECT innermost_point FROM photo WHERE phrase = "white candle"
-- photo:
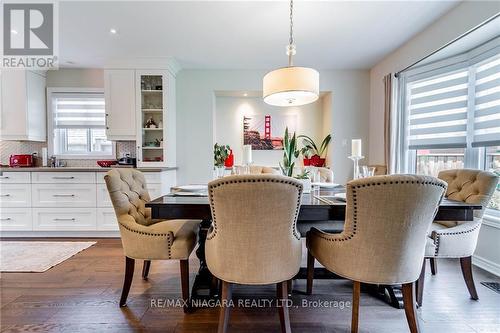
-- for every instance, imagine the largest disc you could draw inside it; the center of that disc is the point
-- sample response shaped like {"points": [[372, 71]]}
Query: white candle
{"points": [[247, 154], [356, 147]]}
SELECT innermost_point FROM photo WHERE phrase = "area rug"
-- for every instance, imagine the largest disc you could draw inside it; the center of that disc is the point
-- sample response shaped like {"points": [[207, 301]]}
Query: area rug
{"points": [[33, 256]]}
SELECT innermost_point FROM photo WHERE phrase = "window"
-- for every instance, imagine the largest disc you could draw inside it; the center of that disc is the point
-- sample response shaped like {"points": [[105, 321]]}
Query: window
{"points": [[451, 115], [78, 125]]}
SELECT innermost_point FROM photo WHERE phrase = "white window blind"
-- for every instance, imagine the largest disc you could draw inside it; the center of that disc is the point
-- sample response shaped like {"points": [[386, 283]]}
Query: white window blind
{"points": [[76, 110], [438, 111], [487, 104]]}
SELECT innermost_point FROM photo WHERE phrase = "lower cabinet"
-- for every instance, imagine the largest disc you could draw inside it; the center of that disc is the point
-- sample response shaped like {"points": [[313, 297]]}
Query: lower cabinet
{"points": [[63, 201], [16, 219], [64, 219]]}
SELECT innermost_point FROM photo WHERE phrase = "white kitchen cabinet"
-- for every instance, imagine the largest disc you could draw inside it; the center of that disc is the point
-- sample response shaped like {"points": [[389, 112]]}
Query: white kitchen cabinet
{"points": [[23, 106], [63, 177], [119, 94], [15, 178], [15, 219], [64, 195], [106, 219], [15, 195], [64, 219], [155, 119]]}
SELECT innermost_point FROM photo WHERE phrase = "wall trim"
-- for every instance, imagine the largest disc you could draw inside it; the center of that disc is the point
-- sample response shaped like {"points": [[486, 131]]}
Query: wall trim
{"points": [[487, 265], [65, 234]]}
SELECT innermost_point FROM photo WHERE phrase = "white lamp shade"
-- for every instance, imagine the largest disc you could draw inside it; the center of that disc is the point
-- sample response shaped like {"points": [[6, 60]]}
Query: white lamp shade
{"points": [[291, 86]]}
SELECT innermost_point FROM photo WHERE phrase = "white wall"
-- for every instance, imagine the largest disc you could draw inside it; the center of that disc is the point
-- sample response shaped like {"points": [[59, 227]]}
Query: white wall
{"points": [[456, 22], [229, 124], [196, 105], [76, 78]]}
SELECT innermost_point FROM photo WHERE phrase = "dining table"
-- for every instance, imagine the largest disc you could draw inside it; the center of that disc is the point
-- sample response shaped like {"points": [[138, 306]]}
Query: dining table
{"points": [[321, 208]]}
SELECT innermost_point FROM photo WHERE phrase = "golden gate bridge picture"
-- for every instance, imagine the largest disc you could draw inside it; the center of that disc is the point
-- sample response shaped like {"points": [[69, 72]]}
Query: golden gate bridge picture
{"points": [[263, 133]]}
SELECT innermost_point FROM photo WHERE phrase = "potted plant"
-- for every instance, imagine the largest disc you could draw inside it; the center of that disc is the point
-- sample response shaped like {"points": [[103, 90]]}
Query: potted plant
{"points": [[312, 154], [221, 152], [290, 153], [304, 177]]}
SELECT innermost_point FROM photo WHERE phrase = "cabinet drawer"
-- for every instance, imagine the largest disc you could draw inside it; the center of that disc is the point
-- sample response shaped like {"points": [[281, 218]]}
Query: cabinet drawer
{"points": [[67, 195], [63, 177], [16, 219], [15, 177], [62, 219], [103, 199], [106, 219], [15, 195], [100, 177]]}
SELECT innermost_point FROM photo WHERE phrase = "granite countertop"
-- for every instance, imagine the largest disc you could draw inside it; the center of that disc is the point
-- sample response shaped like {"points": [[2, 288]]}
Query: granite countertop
{"points": [[77, 169]]}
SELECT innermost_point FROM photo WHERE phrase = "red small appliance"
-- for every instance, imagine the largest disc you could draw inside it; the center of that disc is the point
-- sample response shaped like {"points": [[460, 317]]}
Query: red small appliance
{"points": [[21, 160]]}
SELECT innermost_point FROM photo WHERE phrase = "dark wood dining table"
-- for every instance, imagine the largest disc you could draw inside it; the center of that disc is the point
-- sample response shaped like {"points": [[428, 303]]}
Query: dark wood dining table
{"points": [[312, 210]]}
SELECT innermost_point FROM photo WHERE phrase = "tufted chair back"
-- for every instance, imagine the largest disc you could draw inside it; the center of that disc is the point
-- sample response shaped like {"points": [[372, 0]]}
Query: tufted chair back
{"points": [[253, 239], [258, 169], [387, 218], [470, 186], [129, 194]]}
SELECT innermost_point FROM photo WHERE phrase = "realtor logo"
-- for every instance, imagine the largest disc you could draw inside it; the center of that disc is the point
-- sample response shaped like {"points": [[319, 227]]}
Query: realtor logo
{"points": [[29, 35]]}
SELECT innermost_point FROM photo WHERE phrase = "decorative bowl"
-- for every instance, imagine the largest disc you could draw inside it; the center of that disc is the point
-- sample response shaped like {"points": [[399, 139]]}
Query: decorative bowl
{"points": [[106, 164]]}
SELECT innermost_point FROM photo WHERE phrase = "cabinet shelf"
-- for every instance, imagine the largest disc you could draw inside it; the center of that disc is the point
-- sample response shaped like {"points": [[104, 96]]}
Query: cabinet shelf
{"points": [[151, 91], [152, 148], [152, 129]]}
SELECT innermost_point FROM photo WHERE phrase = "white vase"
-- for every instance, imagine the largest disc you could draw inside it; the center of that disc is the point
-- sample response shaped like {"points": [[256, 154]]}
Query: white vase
{"points": [[306, 183]]}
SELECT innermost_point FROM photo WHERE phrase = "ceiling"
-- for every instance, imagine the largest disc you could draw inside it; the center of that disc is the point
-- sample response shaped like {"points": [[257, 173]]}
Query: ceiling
{"points": [[239, 34]]}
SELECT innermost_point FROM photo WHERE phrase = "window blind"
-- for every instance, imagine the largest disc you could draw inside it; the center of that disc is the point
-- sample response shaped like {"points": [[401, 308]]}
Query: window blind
{"points": [[74, 110], [438, 111], [487, 104]]}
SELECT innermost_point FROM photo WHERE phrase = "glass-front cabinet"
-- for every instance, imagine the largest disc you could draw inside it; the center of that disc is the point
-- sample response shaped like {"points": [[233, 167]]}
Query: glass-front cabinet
{"points": [[152, 121]]}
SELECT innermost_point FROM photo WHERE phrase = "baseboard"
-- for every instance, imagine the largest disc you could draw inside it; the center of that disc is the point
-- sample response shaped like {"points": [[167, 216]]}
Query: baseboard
{"points": [[59, 234], [487, 265]]}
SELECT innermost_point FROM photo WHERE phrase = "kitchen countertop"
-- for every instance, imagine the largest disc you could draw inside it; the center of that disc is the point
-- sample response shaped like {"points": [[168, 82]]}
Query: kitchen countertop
{"points": [[78, 169]]}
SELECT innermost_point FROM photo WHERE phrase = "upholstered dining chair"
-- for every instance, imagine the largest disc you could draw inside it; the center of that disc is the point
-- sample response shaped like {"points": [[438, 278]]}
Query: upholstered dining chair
{"points": [[253, 238], [384, 239], [258, 170], [144, 238], [451, 239]]}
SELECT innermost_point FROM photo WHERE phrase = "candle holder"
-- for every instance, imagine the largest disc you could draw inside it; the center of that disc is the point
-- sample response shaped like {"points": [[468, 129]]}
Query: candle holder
{"points": [[355, 160]]}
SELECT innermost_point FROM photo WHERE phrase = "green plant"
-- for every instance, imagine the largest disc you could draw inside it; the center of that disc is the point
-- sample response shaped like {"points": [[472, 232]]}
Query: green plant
{"points": [[221, 152], [290, 153], [304, 175], [310, 148]]}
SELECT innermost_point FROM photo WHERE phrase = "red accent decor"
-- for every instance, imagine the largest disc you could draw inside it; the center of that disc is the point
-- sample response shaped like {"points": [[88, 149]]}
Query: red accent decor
{"points": [[267, 127], [22, 160], [307, 162], [106, 163], [229, 162], [317, 161]]}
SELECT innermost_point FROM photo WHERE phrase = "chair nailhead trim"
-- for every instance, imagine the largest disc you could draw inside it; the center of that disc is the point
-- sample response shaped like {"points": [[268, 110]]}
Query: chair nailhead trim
{"points": [[241, 181], [168, 235], [438, 235], [352, 233]]}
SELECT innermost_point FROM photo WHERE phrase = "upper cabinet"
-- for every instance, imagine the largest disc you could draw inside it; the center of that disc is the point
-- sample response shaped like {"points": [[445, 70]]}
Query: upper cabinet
{"points": [[23, 106], [119, 94], [155, 107]]}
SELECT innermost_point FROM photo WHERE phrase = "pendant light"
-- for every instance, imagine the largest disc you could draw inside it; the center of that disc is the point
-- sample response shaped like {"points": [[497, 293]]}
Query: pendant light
{"points": [[292, 85]]}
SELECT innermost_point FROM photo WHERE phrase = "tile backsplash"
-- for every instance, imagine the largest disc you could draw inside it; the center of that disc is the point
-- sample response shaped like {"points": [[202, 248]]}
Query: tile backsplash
{"points": [[8, 148]]}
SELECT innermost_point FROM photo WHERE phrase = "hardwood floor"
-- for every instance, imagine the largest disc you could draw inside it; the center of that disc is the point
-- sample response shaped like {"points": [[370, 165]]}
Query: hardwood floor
{"points": [[82, 295]]}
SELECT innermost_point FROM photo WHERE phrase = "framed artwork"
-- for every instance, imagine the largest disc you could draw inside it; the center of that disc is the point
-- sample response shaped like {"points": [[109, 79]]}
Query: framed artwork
{"points": [[265, 131]]}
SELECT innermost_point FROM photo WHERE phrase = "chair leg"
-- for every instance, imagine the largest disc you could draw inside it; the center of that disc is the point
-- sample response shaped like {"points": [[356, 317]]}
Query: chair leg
{"points": [[289, 286], [129, 274], [433, 263], [356, 292], [226, 296], [184, 265], [409, 304], [420, 285], [466, 264], [310, 272], [282, 293], [145, 269]]}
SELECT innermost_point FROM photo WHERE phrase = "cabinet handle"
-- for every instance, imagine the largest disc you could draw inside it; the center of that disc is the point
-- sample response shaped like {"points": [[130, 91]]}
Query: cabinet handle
{"points": [[70, 219], [6, 219], [57, 177], [5, 195], [4, 177], [63, 195]]}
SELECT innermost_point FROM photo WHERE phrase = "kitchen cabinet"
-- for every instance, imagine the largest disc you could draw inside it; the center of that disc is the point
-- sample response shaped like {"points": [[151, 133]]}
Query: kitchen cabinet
{"points": [[119, 95], [155, 127], [23, 114]]}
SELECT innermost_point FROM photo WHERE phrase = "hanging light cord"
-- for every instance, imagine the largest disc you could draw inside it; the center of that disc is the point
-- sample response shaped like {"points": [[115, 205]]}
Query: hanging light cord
{"points": [[290, 48]]}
